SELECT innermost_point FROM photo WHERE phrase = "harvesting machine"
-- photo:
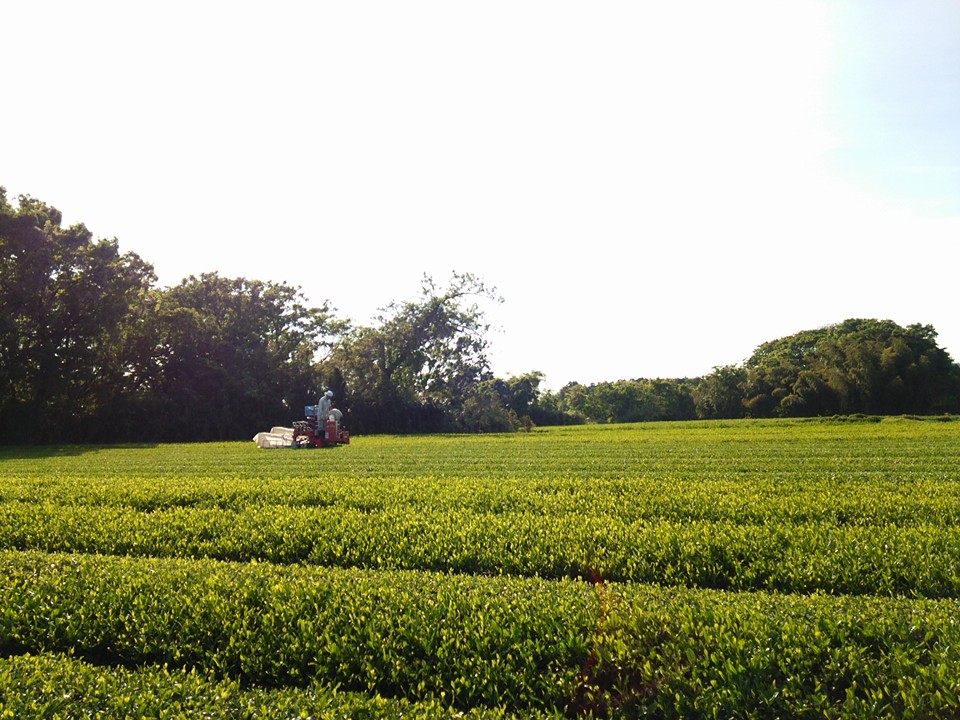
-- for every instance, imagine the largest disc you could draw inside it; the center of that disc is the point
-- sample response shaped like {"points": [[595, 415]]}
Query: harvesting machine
{"points": [[319, 432], [314, 432]]}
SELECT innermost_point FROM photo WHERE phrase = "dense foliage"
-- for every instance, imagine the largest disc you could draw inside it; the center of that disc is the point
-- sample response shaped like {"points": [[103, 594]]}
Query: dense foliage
{"points": [[66, 304], [92, 350], [755, 569], [859, 366], [419, 369]]}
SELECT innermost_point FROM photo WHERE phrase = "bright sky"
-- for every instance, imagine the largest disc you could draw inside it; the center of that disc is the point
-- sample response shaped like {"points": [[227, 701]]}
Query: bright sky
{"points": [[655, 188]]}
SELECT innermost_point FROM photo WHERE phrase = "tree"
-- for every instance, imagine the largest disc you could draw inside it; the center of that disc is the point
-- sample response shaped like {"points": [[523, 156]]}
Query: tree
{"points": [[572, 400], [414, 371], [65, 301], [720, 394], [625, 401], [484, 409], [233, 355], [876, 366], [857, 366], [521, 393]]}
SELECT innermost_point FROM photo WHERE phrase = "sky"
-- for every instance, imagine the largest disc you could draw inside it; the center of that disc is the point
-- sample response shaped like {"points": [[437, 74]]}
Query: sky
{"points": [[653, 188]]}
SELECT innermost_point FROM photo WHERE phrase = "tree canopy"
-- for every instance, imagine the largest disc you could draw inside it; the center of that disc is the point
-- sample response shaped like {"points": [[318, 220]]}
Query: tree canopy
{"points": [[92, 350], [417, 369], [857, 366], [66, 306]]}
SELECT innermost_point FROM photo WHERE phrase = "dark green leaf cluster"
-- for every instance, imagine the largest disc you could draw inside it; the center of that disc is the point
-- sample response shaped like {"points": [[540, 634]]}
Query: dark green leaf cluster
{"points": [[622, 401], [827, 555]]}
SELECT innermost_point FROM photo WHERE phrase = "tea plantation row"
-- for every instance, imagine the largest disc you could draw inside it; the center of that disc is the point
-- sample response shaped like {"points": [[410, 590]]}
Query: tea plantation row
{"points": [[523, 644], [769, 569], [920, 559]]}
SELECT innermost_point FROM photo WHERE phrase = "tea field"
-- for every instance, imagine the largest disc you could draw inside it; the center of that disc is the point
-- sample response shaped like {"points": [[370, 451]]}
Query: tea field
{"points": [[752, 569]]}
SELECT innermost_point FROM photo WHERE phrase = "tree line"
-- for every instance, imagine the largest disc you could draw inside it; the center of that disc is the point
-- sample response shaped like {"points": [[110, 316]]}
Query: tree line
{"points": [[93, 350], [858, 366]]}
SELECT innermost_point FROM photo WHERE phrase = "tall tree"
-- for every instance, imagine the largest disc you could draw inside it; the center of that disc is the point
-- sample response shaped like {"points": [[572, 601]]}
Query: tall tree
{"points": [[234, 355], [64, 304], [720, 394], [414, 371], [877, 366], [521, 393], [857, 366]]}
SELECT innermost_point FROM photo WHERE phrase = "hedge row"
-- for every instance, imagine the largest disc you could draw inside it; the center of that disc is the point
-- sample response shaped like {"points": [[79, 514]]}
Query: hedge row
{"points": [[917, 561], [511, 644]]}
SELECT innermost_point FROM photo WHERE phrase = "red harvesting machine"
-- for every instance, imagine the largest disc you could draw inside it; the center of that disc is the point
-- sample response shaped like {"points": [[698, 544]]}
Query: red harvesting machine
{"points": [[314, 433]]}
